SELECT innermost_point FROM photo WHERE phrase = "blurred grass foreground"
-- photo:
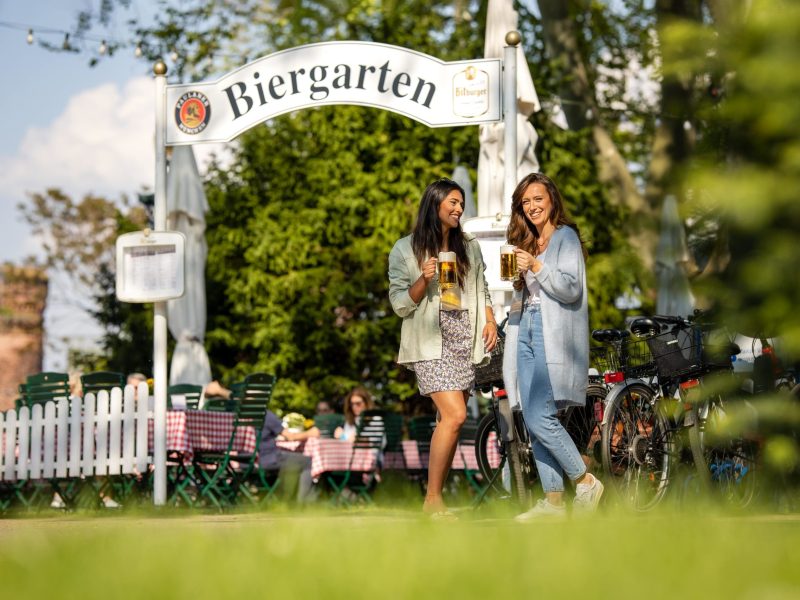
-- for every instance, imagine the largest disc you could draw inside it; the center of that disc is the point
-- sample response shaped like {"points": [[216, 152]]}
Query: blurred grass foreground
{"points": [[390, 554]]}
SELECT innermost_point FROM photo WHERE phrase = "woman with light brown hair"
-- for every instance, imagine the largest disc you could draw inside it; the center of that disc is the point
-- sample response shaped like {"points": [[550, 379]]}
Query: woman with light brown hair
{"points": [[552, 339], [356, 402]]}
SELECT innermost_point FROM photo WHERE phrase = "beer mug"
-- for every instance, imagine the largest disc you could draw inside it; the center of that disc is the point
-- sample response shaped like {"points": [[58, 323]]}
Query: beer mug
{"points": [[508, 263], [447, 270]]}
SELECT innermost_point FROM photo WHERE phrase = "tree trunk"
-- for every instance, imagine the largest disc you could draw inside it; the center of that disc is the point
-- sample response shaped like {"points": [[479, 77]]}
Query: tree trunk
{"points": [[561, 43]]}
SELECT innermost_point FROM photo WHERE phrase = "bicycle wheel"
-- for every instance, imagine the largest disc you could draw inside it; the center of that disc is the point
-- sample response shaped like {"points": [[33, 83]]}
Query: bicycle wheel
{"points": [[637, 447], [583, 426], [517, 455], [726, 465], [484, 452]]}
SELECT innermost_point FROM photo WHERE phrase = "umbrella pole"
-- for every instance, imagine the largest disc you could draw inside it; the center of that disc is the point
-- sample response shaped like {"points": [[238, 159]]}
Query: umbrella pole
{"points": [[509, 118], [160, 308]]}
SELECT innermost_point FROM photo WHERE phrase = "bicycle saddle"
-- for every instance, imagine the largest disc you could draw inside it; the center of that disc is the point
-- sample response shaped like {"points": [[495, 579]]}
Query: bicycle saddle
{"points": [[644, 327], [610, 335]]}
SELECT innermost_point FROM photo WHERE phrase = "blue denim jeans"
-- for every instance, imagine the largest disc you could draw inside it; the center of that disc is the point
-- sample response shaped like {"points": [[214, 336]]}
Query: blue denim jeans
{"points": [[553, 449]]}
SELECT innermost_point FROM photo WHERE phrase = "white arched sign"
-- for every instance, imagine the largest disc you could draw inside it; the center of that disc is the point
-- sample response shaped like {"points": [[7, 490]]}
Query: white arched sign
{"points": [[436, 93]]}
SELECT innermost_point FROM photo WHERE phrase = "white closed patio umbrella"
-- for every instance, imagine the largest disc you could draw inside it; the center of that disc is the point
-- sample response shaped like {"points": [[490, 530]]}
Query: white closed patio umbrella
{"points": [[672, 258], [500, 19], [186, 209]]}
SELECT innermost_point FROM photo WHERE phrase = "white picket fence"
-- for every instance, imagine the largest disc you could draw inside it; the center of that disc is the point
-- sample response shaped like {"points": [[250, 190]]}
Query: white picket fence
{"points": [[103, 435]]}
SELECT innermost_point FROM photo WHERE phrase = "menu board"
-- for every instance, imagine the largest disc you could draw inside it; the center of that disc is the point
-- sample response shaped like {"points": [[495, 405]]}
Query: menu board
{"points": [[150, 266]]}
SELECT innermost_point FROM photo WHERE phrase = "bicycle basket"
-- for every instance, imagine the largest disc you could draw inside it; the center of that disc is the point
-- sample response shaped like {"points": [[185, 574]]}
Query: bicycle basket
{"points": [[688, 352], [492, 373], [604, 359], [637, 360]]}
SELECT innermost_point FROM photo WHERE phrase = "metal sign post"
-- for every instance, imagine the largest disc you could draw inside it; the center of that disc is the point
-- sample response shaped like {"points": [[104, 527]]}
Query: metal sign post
{"points": [[160, 308], [510, 118]]}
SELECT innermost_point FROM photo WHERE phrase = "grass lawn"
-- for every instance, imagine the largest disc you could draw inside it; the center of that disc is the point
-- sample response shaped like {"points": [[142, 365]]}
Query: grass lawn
{"points": [[394, 553]]}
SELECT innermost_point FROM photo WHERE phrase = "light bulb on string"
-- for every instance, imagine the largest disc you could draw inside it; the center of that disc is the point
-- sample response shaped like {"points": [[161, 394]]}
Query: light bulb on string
{"points": [[174, 55], [103, 47], [65, 45], [29, 37], [138, 51]]}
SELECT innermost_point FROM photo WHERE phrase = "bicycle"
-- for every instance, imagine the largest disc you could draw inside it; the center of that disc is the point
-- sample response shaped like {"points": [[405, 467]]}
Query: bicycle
{"points": [[504, 426], [647, 415]]}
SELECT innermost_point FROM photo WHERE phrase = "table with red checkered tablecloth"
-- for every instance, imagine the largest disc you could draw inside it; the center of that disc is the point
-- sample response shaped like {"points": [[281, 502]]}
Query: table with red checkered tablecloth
{"points": [[201, 430], [338, 455], [335, 455]]}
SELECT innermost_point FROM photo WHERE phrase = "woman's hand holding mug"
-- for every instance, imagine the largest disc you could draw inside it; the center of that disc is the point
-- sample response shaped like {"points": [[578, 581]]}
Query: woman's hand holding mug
{"points": [[526, 261], [429, 269]]}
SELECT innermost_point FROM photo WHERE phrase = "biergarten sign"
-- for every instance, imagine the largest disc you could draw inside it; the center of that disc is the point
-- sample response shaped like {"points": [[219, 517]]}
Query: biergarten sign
{"points": [[436, 93]]}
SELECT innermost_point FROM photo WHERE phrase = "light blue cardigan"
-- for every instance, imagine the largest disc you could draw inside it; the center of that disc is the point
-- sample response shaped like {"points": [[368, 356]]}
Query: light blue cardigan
{"points": [[565, 320], [420, 335]]}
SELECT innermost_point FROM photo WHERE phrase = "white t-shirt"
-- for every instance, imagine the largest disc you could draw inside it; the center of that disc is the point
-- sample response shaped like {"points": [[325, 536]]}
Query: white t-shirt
{"points": [[533, 285]]}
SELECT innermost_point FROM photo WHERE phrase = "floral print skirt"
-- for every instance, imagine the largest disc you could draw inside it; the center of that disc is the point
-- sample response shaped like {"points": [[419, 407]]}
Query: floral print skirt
{"points": [[454, 371]]}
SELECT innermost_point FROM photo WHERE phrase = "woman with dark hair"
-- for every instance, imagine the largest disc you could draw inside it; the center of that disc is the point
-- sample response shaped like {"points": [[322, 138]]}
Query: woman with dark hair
{"points": [[356, 402], [552, 344], [441, 341]]}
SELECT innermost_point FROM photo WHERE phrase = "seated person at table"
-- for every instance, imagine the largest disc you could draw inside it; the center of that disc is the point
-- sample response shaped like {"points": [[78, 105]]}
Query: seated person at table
{"points": [[135, 379], [356, 402], [324, 408], [294, 467]]}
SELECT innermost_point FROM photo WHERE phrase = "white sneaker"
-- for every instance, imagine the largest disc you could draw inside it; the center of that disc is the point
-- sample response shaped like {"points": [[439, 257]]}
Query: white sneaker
{"points": [[542, 510], [111, 503], [587, 496]]}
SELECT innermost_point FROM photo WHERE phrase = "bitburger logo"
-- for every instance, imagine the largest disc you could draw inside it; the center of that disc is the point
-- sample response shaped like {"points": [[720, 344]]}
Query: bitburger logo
{"points": [[192, 112]]}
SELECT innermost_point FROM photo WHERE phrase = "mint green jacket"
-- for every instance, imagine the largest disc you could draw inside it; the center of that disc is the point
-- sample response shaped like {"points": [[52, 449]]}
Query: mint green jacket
{"points": [[420, 336]]}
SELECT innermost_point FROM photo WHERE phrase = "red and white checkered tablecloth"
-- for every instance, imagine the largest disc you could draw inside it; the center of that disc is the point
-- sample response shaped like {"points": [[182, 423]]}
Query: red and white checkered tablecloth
{"points": [[334, 455], [464, 457], [337, 455], [192, 430]]}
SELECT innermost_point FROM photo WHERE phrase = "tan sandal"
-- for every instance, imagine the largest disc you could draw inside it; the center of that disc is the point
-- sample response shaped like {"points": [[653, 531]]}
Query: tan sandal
{"points": [[443, 515]]}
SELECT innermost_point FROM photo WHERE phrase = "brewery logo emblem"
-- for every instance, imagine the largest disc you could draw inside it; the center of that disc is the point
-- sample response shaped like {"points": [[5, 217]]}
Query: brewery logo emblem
{"points": [[192, 112], [471, 92]]}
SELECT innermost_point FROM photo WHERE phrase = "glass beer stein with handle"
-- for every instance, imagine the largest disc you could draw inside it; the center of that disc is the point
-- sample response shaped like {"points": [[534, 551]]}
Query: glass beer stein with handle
{"points": [[448, 281], [447, 270], [508, 263]]}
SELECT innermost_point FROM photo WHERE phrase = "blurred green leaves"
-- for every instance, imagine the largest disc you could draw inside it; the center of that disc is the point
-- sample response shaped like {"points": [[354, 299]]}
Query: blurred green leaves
{"points": [[748, 167]]}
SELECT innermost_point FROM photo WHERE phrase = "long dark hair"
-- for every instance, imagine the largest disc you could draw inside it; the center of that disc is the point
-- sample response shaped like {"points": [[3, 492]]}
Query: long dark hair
{"points": [[521, 232], [426, 239]]}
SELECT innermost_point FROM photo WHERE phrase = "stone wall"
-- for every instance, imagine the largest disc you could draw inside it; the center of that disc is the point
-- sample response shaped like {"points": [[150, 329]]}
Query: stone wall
{"points": [[23, 294]]}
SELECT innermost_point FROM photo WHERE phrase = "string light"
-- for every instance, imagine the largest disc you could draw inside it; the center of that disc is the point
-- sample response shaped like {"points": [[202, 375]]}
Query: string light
{"points": [[174, 55], [65, 45], [138, 51], [29, 37], [103, 47]]}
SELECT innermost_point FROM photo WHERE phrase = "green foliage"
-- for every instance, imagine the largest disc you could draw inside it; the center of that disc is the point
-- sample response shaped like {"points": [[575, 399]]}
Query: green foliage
{"points": [[749, 171]]}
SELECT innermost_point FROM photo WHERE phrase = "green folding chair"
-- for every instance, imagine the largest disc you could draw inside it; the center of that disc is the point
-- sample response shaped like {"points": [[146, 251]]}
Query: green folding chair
{"points": [[420, 429], [98, 381], [43, 387], [370, 437], [216, 478], [466, 445], [394, 456], [190, 392], [327, 424]]}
